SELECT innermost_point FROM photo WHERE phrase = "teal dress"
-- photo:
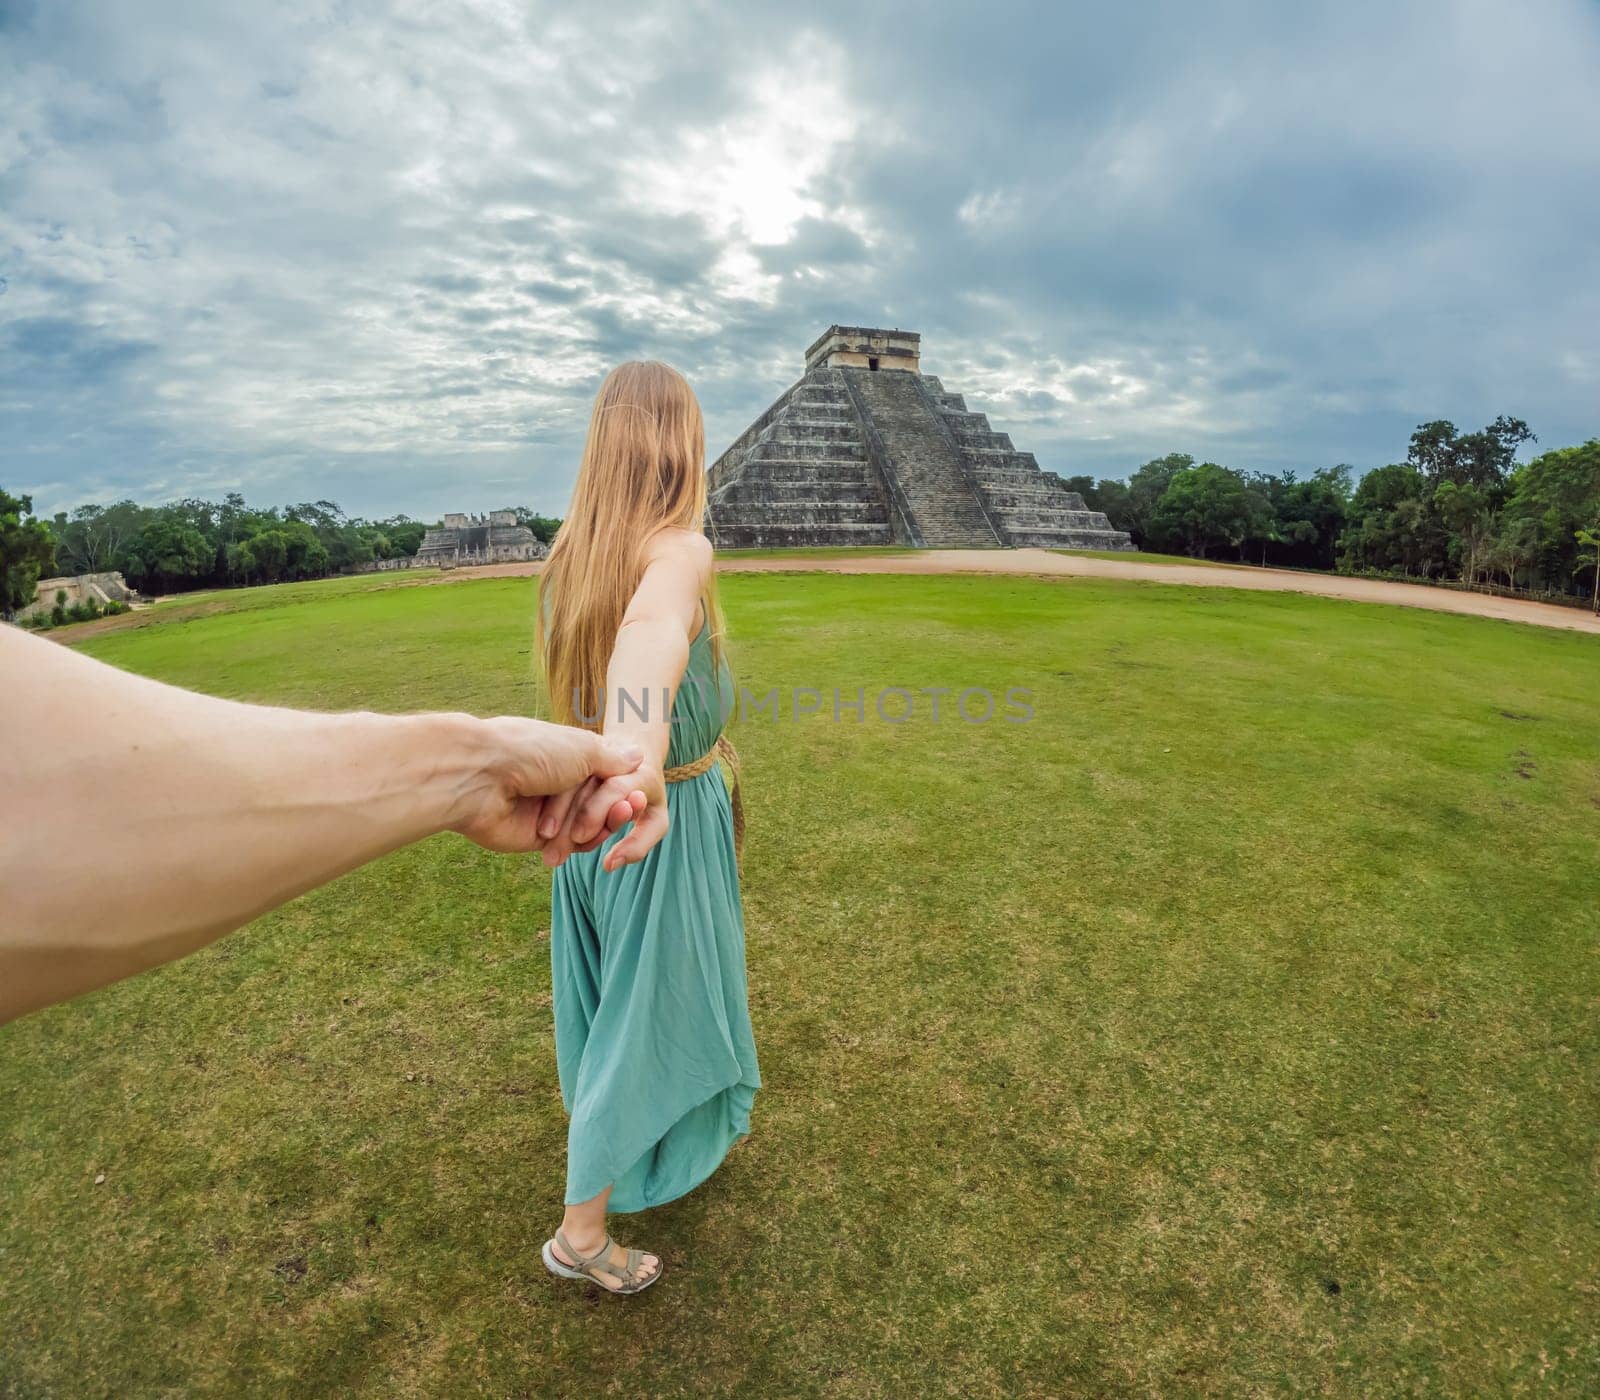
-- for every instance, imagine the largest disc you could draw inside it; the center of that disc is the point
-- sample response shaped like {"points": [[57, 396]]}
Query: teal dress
{"points": [[654, 1047]]}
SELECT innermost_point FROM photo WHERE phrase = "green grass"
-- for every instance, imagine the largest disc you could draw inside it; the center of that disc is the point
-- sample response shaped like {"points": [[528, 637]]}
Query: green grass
{"points": [[1228, 1029], [205, 602]]}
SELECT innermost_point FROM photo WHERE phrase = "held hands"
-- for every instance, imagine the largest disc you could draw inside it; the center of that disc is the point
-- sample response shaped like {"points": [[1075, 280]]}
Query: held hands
{"points": [[544, 787], [526, 768], [580, 819]]}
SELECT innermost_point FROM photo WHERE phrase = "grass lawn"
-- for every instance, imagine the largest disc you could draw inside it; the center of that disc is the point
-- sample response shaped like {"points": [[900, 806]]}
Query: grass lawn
{"points": [[1228, 1029]]}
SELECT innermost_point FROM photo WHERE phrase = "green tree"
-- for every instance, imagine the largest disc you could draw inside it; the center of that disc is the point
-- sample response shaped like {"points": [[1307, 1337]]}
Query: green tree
{"points": [[27, 551], [157, 544], [1204, 508], [1391, 525], [94, 539], [344, 541], [305, 555], [1515, 548], [1590, 558], [1265, 539], [241, 562], [404, 536], [270, 552], [1115, 499], [1418, 538], [544, 527], [1560, 492], [1383, 488], [169, 551], [233, 518], [1294, 523], [1311, 515], [1146, 486], [1481, 459], [1468, 513]]}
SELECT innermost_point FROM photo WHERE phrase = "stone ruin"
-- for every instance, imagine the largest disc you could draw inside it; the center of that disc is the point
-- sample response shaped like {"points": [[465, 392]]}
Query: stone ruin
{"points": [[865, 449], [495, 538], [98, 589]]}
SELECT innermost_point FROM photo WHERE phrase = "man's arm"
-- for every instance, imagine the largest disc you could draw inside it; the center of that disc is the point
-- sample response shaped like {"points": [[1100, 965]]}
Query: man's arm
{"points": [[144, 821]]}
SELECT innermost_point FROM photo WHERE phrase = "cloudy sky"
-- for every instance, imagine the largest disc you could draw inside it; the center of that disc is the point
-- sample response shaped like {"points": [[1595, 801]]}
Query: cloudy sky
{"points": [[384, 253]]}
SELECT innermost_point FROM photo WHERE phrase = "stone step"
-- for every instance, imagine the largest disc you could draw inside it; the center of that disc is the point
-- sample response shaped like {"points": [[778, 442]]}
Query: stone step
{"points": [[979, 457], [780, 450], [964, 421], [792, 429], [765, 535], [834, 405], [981, 440], [786, 514], [1035, 495], [816, 415], [795, 469], [1011, 478], [1031, 494], [820, 390], [1013, 519], [745, 492]]}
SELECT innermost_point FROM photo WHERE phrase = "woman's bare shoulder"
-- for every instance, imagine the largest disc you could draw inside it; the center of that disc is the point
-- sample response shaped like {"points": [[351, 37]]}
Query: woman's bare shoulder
{"points": [[688, 546], [677, 565]]}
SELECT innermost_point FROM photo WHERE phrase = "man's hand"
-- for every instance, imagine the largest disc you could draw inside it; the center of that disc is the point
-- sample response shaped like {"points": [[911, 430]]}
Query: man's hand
{"points": [[529, 766]]}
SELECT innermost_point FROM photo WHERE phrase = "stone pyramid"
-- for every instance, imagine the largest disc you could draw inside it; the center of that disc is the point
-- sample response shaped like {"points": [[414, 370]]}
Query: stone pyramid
{"points": [[865, 449]]}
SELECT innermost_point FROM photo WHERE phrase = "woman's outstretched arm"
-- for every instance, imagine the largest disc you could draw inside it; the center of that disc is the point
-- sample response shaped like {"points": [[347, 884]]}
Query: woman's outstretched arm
{"points": [[144, 821], [646, 668]]}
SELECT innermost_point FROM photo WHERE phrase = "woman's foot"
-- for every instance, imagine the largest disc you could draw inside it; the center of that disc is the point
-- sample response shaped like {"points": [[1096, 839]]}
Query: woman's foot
{"points": [[587, 1244]]}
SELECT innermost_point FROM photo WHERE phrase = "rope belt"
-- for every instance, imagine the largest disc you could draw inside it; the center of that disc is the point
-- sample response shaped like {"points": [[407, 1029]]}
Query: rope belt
{"points": [[722, 749]]}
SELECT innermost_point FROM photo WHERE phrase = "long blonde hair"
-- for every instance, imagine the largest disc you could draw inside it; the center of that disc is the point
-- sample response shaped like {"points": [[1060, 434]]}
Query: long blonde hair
{"points": [[643, 469]]}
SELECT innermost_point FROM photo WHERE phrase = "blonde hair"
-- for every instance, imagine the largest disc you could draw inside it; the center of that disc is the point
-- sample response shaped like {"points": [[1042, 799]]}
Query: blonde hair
{"points": [[643, 470]]}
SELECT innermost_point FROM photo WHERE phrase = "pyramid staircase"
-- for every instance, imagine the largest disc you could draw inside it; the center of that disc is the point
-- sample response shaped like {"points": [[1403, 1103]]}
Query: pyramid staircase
{"points": [[1028, 506]]}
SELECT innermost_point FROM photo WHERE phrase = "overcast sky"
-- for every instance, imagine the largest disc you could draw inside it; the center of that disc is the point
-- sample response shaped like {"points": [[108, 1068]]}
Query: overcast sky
{"points": [[384, 253]]}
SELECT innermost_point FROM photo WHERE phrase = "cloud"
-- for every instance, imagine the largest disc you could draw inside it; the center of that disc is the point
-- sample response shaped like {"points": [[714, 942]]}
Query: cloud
{"points": [[385, 252]]}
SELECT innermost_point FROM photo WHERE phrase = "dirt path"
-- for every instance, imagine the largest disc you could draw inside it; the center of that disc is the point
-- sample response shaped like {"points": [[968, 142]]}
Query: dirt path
{"points": [[1043, 563]]}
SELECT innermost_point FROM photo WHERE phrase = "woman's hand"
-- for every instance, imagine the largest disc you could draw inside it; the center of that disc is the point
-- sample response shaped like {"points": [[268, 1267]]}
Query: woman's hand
{"points": [[580, 820], [649, 826]]}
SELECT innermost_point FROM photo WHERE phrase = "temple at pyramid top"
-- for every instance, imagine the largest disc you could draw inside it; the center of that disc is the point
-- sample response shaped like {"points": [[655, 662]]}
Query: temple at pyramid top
{"points": [[865, 347], [852, 455]]}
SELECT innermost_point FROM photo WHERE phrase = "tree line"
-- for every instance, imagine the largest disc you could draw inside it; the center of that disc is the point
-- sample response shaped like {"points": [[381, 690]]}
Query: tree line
{"points": [[196, 543], [1458, 508]]}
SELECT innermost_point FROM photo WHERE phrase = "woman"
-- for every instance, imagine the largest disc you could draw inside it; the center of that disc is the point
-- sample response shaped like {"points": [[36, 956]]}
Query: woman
{"points": [[654, 1048]]}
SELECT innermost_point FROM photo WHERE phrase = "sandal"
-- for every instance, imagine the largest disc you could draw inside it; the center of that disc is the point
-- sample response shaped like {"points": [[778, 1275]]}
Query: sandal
{"points": [[590, 1267]]}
